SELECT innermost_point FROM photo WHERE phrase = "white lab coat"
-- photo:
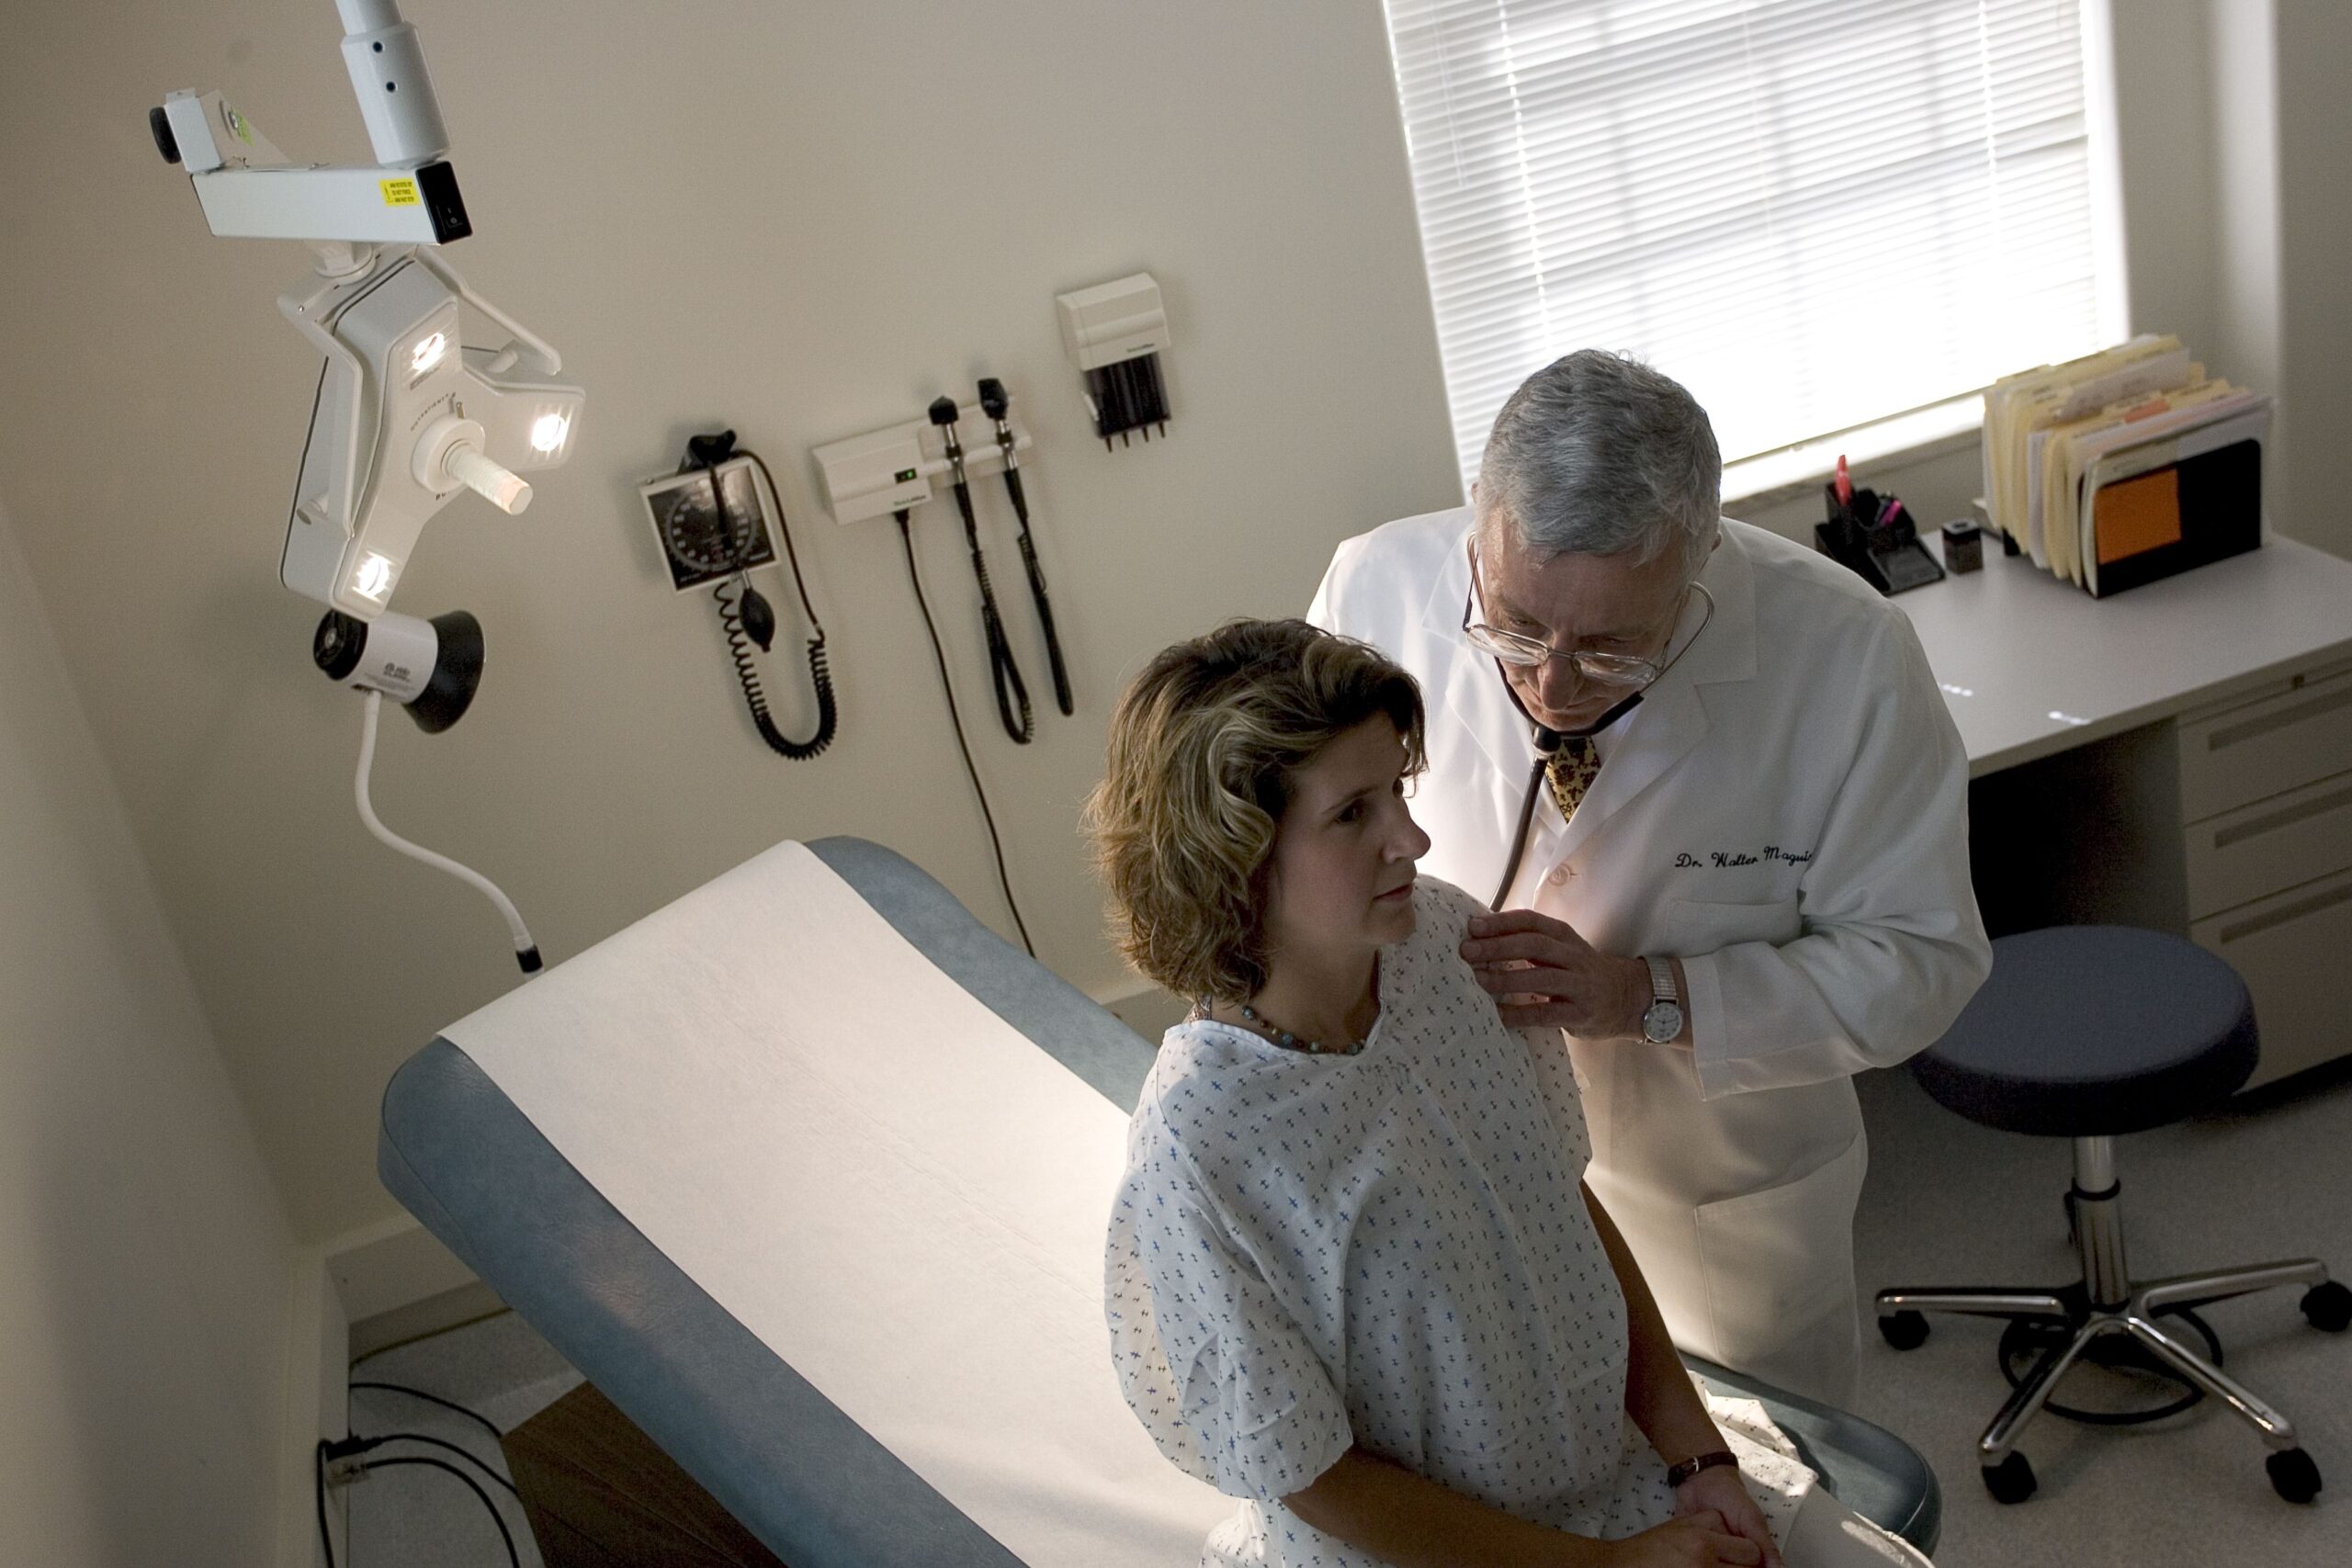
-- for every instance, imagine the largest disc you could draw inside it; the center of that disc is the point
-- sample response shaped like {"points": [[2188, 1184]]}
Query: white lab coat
{"points": [[1786, 812]]}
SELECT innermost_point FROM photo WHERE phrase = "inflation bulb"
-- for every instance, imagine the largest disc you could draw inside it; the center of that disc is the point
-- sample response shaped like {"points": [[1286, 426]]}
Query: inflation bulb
{"points": [[759, 615]]}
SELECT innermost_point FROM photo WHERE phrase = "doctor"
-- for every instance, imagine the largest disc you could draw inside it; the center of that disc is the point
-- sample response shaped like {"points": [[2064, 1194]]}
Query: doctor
{"points": [[1743, 868]]}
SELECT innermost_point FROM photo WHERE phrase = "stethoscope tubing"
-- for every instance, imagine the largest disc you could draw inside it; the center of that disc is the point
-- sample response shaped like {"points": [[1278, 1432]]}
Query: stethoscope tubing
{"points": [[1548, 742]]}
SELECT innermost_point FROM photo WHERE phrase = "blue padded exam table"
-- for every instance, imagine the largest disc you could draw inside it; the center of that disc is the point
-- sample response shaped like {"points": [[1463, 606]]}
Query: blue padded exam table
{"points": [[796, 1471]]}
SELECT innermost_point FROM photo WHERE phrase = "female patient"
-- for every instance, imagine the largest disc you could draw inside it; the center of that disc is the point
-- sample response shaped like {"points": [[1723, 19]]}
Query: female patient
{"points": [[1353, 1276]]}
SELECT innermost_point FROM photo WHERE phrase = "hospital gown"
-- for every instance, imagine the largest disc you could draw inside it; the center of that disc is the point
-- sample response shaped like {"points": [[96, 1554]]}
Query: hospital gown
{"points": [[1389, 1249]]}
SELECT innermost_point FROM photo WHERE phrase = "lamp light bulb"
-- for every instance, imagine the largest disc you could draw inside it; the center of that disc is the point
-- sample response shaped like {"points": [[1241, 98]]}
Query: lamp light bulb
{"points": [[429, 350], [374, 577], [547, 433]]}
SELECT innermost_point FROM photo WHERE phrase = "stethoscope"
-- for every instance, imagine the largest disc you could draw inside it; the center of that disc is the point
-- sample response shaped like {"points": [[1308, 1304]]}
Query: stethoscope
{"points": [[1548, 740]]}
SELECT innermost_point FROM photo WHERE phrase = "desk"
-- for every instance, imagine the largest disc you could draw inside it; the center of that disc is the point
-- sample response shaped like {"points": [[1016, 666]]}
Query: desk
{"points": [[2179, 756]]}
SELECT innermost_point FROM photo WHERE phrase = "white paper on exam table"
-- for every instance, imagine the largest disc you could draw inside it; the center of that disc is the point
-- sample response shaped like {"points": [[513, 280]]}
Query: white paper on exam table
{"points": [[896, 1190]]}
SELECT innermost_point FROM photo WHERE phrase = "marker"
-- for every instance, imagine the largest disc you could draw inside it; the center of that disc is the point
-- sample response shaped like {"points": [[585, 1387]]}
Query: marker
{"points": [[1843, 484]]}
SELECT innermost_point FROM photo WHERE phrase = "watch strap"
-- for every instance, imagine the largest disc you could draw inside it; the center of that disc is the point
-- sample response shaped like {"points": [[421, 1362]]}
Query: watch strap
{"points": [[1676, 1474], [1662, 987]]}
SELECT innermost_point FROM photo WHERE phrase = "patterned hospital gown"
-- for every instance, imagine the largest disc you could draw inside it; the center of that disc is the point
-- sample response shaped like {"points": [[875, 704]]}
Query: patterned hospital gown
{"points": [[1388, 1248]]}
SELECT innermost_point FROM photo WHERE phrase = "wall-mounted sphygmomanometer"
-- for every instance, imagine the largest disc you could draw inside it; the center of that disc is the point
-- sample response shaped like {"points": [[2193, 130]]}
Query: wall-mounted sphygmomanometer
{"points": [[711, 520], [408, 413]]}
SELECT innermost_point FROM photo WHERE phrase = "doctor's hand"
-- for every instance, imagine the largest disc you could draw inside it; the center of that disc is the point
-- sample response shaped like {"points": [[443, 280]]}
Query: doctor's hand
{"points": [[1544, 975], [1720, 1494], [1692, 1541]]}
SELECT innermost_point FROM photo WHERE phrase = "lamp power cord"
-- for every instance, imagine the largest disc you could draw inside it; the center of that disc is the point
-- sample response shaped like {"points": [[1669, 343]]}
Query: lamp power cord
{"points": [[526, 950]]}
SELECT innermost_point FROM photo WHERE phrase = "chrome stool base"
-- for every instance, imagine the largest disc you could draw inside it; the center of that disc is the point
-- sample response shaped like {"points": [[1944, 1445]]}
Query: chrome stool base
{"points": [[2106, 1302]]}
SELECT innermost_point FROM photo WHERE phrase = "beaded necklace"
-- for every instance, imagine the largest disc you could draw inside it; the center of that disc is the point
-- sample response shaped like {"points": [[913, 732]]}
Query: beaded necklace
{"points": [[1281, 1036]]}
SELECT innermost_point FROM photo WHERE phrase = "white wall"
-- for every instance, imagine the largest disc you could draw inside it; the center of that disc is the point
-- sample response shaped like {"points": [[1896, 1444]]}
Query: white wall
{"points": [[144, 1263], [2314, 63], [802, 220]]}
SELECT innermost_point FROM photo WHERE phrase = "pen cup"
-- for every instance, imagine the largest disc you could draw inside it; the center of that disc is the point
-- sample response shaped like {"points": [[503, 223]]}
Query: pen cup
{"points": [[1964, 547]]}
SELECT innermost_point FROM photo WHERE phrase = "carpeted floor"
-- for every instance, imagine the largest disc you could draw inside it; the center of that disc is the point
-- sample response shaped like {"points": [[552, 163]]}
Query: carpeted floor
{"points": [[1948, 1202]]}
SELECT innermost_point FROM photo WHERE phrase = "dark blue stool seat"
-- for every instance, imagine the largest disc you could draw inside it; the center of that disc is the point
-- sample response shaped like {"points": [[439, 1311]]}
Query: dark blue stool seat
{"points": [[2090, 1032], [2094, 1031]]}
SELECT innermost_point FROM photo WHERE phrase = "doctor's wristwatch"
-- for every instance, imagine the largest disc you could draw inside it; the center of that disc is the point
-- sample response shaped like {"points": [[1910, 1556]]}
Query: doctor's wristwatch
{"points": [[1662, 1023]]}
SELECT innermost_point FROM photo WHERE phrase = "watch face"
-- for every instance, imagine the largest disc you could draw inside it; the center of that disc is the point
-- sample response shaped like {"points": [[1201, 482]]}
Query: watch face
{"points": [[1662, 1022]]}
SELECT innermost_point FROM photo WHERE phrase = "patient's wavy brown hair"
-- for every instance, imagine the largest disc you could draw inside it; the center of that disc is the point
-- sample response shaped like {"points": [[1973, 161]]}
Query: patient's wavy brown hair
{"points": [[1202, 750]]}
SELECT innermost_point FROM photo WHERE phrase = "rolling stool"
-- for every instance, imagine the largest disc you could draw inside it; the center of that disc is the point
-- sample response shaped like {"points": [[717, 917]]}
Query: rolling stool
{"points": [[2087, 1032]]}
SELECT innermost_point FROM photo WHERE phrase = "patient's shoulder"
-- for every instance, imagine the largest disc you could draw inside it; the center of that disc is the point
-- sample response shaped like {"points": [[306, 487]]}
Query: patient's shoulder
{"points": [[1200, 1080], [1443, 912]]}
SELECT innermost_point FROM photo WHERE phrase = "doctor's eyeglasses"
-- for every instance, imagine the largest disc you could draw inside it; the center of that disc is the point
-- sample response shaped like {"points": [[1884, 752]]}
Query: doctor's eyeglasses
{"points": [[1521, 652], [1527, 653]]}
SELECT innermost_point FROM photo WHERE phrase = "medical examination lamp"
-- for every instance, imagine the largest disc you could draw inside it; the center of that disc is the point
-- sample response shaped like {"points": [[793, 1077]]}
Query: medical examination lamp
{"points": [[407, 412]]}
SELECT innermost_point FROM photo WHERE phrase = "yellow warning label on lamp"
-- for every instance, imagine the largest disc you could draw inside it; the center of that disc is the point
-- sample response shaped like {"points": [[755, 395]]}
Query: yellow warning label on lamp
{"points": [[400, 192]]}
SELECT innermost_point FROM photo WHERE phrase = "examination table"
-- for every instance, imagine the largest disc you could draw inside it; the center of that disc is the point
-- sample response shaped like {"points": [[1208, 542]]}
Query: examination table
{"points": [[603, 1147]]}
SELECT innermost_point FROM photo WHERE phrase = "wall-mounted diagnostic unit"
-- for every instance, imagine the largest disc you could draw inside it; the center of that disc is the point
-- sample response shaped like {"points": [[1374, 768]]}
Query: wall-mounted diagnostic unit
{"points": [[1114, 331]]}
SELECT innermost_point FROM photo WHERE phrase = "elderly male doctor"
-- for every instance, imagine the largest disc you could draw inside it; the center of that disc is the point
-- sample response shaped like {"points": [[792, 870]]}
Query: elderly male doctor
{"points": [[1744, 874]]}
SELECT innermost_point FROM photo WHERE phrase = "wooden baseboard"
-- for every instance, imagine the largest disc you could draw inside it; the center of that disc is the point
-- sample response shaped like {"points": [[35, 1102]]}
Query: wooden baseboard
{"points": [[422, 1320]]}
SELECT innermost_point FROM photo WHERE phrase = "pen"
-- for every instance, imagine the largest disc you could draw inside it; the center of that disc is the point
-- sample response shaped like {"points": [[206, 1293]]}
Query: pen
{"points": [[1887, 509], [1843, 484]]}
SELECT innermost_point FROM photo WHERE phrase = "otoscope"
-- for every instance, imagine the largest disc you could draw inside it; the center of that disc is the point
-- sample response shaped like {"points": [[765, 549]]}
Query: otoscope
{"points": [[993, 402], [1010, 690]]}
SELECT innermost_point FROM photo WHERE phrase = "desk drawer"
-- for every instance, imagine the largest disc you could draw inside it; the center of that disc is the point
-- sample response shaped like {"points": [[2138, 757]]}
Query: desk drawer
{"points": [[2291, 950], [2256, 850], [2266, 747]]}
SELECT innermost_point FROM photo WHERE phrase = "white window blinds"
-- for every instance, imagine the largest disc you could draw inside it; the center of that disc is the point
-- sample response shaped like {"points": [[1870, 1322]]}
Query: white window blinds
{"points": [[1813, 213]]}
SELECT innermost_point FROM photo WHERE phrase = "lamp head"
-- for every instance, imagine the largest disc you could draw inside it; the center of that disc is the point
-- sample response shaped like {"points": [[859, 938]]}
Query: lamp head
{"points": [[431, 667], [407, 419]]}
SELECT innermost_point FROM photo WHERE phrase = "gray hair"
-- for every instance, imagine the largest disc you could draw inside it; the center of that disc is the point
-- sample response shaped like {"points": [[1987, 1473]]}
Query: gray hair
{"points": [[1596, 453]]}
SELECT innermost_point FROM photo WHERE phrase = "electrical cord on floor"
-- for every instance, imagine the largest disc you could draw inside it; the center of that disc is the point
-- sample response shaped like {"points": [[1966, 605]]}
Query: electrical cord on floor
{"points": [[476, 1416], [354, 1446], [907, 538], [319, 1494], [513, 1559], [464, 1453], [350, 1445]]}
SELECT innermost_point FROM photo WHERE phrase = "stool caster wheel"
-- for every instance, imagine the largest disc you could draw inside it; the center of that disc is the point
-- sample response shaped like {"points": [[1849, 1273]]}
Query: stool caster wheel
{"points": [[2011, 1481], [2328, 1305], [1904, 1330], [2293, 1475]]}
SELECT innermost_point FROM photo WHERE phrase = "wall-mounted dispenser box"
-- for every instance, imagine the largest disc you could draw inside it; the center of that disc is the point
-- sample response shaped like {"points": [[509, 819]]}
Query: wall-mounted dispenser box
{"points": [[1114, 331]]}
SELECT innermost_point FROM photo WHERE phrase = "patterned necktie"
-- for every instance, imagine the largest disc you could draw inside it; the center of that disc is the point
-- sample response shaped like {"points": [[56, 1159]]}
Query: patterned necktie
{"points": [[1570, 772]]}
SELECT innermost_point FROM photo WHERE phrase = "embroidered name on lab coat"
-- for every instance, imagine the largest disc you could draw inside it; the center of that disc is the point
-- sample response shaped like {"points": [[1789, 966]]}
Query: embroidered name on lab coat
{"points": [[1726, 858]]}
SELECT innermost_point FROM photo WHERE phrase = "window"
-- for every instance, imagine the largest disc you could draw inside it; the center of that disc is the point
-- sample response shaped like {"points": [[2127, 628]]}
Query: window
{"points": [[1813, 213]]}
